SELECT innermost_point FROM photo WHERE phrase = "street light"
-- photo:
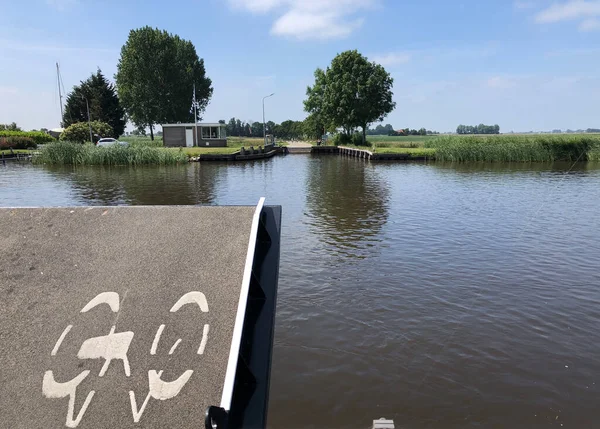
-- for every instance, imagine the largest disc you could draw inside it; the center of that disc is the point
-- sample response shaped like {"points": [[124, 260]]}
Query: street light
{"points": [[87, 105], [264, 124]]}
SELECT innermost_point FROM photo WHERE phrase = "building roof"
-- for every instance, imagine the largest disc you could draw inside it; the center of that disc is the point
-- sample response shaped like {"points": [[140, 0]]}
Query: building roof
{"points": [[200, 124]]}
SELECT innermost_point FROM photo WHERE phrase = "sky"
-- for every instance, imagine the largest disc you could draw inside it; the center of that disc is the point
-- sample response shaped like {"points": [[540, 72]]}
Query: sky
{"points": [[523, 64]]}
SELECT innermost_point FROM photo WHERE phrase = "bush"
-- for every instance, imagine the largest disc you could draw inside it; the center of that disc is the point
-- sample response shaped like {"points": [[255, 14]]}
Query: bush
{"points": [[17, 142], [38, 137], [80, 132], [355, 139]]}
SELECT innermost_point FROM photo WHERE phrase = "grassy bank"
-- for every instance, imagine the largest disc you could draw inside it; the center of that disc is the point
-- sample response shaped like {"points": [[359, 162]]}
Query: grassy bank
{"points": [[66, 153], [516, 148]]}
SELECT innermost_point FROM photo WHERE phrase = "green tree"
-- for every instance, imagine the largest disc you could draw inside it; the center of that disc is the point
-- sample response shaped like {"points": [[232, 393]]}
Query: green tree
{"points": [[352, 92], [103, 101], [10, 127], [155, 77], [80, 132]]}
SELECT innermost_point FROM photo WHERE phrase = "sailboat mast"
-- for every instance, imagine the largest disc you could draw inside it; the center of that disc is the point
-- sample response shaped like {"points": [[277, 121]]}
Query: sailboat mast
{"points": [[59, 94]]}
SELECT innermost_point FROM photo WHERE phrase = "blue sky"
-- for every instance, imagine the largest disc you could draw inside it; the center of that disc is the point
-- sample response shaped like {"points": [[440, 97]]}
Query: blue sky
{"points": [[526, 64]]}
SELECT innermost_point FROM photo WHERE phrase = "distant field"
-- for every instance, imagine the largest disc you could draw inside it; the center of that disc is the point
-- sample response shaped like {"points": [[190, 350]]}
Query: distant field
{"points": [[399, 139]]}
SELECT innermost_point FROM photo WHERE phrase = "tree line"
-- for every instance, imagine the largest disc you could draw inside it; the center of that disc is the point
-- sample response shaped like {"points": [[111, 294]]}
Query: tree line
{"points": [[478, 129], [287, 130]]}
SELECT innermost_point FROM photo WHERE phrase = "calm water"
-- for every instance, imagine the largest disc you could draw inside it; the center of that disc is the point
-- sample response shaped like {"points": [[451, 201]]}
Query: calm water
{"points": [[440, 296]]}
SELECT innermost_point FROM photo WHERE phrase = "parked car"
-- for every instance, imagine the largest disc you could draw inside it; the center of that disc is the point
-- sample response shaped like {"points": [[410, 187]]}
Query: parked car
{"points": [[109, 141]]}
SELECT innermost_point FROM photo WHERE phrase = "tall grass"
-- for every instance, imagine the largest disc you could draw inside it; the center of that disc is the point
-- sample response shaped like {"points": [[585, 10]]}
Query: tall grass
{"points": [[143, 141], [536, 148], [67, 153]]}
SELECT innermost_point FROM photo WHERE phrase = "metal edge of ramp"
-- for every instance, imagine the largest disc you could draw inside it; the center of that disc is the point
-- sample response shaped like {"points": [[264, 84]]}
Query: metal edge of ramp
{"points": [[245, 396]]}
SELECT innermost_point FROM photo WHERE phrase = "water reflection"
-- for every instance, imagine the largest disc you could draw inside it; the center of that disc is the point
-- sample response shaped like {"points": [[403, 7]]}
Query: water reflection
{"points": [[173, 185], [348, 201]]}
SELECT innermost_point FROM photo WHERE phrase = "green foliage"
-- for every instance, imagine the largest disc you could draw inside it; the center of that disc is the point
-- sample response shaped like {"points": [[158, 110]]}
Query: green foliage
{"points": [[10, 127], [17, 142], [478, 129], [38, 137], [103, 102], [356, 139], [68, 153], [536, 148], [142, 141], [352, 92], [155, 76], [80, 132]]}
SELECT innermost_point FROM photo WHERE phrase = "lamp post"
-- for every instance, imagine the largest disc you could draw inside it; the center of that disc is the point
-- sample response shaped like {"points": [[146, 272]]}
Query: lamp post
{"points": [[264, 124], [87, 105]]}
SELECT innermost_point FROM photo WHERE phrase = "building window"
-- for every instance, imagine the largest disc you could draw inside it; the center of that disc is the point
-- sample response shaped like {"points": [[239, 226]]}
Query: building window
{"points": [[210, 133]]}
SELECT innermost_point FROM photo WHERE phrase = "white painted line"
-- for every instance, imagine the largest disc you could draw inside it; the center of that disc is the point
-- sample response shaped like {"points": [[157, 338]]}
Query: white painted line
{"points": [[137, 415], [241, 311], [191, 298], [60, 340], [174, 346], [156, 339], [162, 390], [204, 339], [110, 298]]}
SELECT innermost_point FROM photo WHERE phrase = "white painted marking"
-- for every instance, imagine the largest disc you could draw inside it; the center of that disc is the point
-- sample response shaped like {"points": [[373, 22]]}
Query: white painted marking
{"points": [[137, 415], [109, 347], [60, 340], [53, 389], [174, 346], [162, 390], [236, 338], [189, 298], [204, 339], [156, 339], [110, 298]]}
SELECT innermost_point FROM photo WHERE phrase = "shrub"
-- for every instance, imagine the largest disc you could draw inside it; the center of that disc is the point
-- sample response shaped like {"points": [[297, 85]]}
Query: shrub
{"points": [[17, 142], [355, 139], [38, 137], [80, 132]]}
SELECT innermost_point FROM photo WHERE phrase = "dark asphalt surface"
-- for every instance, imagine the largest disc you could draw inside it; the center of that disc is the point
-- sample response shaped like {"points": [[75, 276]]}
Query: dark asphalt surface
{"points": [[55, 260]]}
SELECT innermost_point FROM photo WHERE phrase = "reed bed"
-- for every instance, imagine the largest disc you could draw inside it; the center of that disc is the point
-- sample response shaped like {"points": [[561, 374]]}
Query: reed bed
{"points": [[516, 148], [67, 153]]}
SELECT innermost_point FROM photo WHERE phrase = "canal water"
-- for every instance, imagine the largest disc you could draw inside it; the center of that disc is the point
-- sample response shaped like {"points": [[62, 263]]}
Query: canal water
{"points": [[441, 296]]}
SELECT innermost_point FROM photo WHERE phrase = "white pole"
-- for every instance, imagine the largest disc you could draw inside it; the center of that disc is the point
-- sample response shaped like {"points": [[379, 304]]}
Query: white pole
{"points": [[264, 123], [195, 117]]}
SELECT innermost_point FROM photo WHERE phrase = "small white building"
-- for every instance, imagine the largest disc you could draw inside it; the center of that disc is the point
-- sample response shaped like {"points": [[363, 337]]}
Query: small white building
{"points": [[184, 135]]}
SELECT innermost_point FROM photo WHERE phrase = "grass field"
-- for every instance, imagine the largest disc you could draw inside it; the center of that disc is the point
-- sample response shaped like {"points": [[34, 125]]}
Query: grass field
{"points": [[399, 139], [7, 151]]}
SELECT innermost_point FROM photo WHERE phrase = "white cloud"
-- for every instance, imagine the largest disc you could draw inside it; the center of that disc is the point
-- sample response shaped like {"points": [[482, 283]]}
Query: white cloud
{"points": [[310, 19], [392, 58], [571, 10], [591, 24]]}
